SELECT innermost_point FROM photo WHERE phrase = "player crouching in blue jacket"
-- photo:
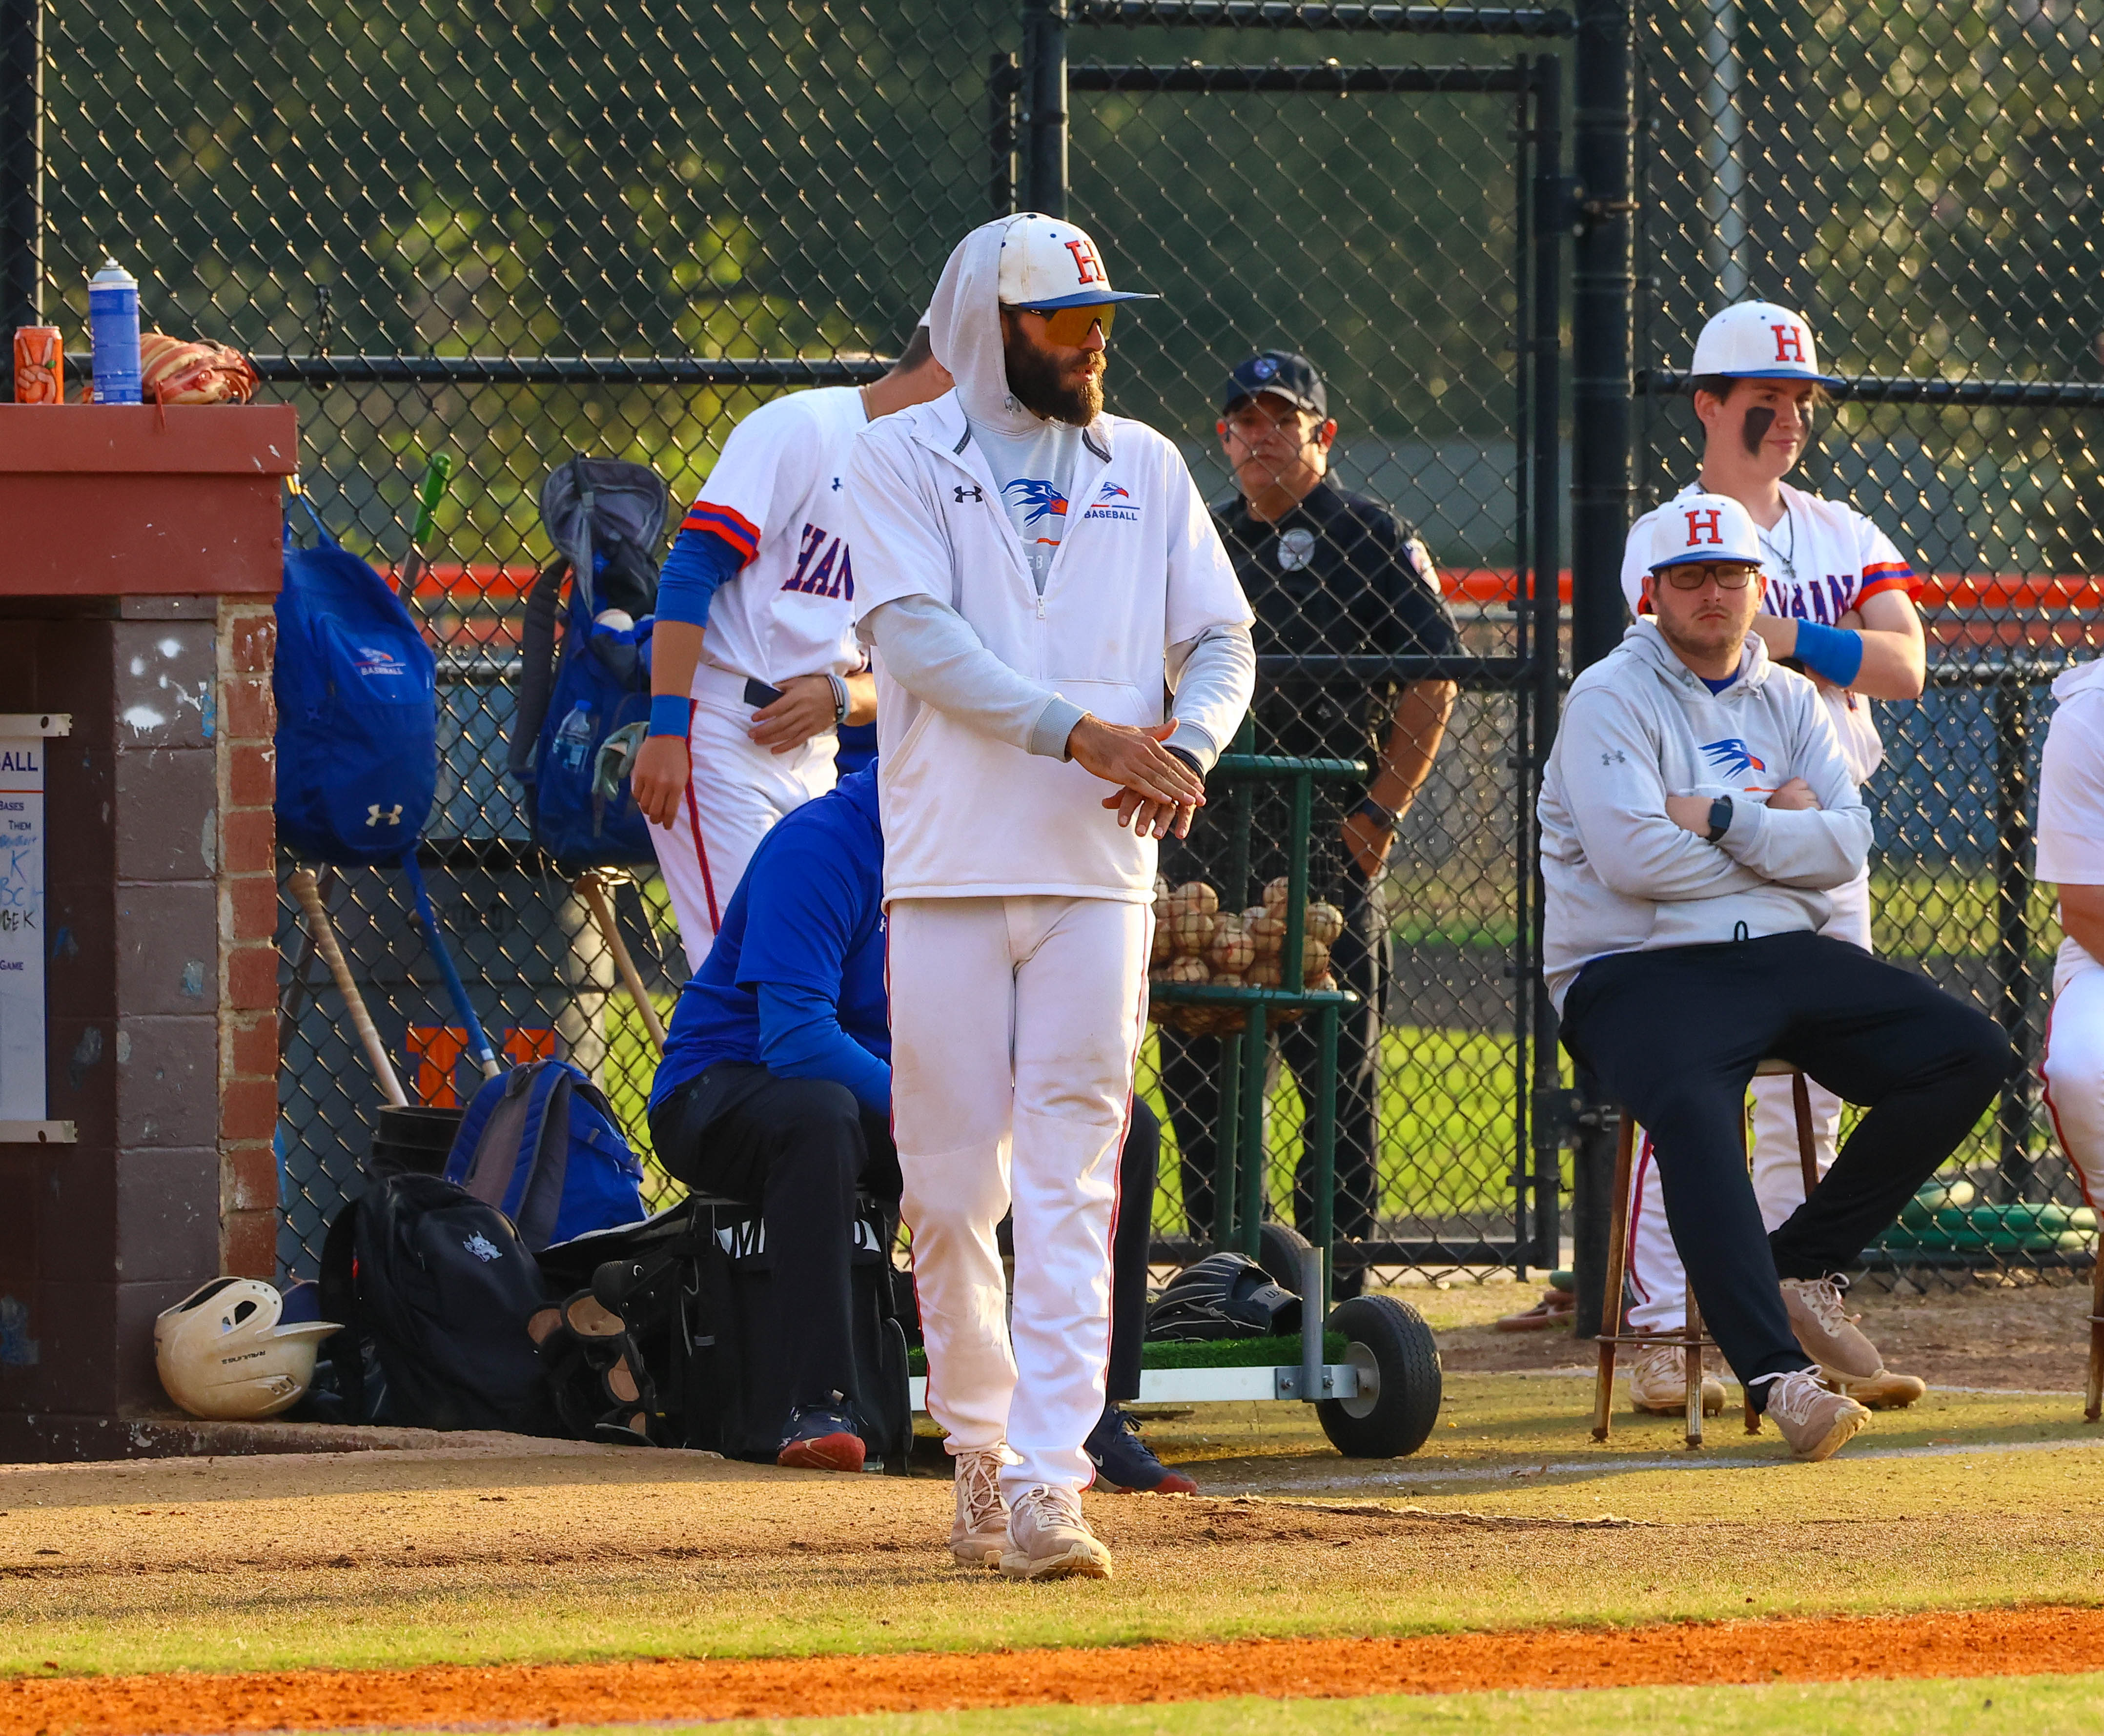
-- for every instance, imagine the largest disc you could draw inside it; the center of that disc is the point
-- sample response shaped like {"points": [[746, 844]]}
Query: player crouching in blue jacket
{"points": [[776, 1087]]}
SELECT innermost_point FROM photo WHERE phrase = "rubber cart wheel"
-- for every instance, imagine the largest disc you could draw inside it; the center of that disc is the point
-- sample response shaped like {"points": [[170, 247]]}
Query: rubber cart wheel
{"points": [[1279, 1249], [1396, 1354]]}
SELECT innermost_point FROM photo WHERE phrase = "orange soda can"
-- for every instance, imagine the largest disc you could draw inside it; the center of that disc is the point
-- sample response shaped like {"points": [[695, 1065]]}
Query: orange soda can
{"points": [[39, 365]]}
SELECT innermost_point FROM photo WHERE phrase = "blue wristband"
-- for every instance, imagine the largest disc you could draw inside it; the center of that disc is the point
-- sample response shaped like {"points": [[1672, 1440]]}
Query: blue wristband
{"points": [[1834, 654], [670, 714]]}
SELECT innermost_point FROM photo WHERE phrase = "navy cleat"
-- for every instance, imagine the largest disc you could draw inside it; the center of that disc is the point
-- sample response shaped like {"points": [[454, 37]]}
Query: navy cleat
{"points": [[822, 1440], [1125, 1463]]}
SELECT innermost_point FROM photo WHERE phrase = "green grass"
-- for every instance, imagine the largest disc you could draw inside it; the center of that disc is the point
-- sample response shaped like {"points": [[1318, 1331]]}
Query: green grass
{"points": [[1992, 1706]]}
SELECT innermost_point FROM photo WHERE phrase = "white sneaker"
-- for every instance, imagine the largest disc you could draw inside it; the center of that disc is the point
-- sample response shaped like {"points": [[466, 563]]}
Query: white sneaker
{"points": [[1816, 1422], [1049, 1539], [1827, 1332], [979, 1532], [1658, 1383]]}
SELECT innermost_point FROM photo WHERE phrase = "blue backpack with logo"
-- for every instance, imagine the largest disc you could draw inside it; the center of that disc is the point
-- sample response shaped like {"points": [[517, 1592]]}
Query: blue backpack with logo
{"points": [[605, 517], [540, 1143], [358, 718]]}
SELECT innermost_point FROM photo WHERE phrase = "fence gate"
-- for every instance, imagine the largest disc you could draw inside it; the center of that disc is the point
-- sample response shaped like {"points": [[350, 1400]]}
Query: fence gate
{"points": [[1379, 188]]}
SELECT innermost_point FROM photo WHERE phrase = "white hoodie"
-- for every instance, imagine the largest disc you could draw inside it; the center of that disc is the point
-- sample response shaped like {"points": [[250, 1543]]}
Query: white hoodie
{"points": [[1639, 726], [977, 800]]}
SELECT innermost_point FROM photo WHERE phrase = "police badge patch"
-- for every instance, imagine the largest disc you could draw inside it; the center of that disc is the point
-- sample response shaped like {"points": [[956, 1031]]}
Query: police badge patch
{"points": [[1296, 549]]}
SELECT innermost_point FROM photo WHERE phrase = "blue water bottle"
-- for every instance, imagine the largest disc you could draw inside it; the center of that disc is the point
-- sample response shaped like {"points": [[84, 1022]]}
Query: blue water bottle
{"points": [[112, 324]]}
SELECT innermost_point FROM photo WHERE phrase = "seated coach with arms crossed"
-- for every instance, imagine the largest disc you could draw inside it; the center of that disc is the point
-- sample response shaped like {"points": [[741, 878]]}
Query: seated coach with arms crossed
{"points": [[776, 1087], [1695, 810]]}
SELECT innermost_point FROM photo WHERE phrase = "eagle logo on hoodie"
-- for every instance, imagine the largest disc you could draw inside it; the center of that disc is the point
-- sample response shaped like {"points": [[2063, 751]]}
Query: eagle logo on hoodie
{"points": [[1731, 757], [1043, 500]]}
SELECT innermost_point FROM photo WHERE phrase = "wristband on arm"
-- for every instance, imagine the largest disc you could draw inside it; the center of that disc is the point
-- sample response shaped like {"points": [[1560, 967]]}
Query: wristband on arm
{"points": [[1834, 654], [670, 714]]}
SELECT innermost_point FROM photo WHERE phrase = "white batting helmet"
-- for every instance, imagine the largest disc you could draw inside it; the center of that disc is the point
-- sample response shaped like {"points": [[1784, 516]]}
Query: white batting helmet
{"points": [[1758, 340], [225, 1351]]}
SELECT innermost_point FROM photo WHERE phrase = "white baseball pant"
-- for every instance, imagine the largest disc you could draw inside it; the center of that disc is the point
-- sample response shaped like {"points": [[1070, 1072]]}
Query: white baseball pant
{"points": [[1015, 1023], [2073, 1069], [1657, 1279], [736, 792]]}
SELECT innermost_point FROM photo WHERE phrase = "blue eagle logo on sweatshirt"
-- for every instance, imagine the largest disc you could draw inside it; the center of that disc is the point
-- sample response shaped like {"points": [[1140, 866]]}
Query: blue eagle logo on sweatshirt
{"points": [[1731, 757]]}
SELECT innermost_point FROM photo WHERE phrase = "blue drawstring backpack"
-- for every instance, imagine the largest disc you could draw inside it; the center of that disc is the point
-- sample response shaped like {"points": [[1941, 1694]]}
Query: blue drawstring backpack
{"points": [[357, 729], [358, 716], [540, 1143]]}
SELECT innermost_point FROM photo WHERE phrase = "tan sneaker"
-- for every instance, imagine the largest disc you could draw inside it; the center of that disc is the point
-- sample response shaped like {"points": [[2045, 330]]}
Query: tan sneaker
{"points": [[1049, 1539], [1658, 1383], [979, 1532], [1883, 1391], [1828, 1333], [1816, 1422]]}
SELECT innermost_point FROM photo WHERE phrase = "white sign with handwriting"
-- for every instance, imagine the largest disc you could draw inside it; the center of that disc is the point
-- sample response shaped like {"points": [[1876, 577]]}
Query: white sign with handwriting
{"points": [[21, 928]]}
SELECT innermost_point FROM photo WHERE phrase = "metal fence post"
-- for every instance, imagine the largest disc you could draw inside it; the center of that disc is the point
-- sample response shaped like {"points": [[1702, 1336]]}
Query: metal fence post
{"points": [[2014, 1178], [1003, 81], [1603, 135], [1045, 106], [22, 161]]}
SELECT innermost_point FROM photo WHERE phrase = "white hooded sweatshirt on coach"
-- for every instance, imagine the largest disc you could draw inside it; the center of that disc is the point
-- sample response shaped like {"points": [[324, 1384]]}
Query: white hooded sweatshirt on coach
{"points": [[1639, 726], [978, 801]]}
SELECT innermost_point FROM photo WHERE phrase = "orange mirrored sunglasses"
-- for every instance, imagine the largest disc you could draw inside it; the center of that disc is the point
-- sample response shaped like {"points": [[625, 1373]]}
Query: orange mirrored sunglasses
{"points": [[1069, 326]]}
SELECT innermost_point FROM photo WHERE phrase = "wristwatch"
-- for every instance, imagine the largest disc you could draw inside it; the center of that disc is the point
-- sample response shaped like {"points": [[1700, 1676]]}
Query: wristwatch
{"points": [[1720, 819]]}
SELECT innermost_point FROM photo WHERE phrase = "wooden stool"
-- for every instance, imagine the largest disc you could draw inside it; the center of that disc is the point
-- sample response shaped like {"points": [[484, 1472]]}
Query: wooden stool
{"points": [[1691, 1339]]}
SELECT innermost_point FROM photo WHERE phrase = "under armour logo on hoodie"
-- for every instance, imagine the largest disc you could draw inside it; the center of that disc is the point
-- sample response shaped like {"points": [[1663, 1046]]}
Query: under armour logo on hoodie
{"points": [[964, 493]]}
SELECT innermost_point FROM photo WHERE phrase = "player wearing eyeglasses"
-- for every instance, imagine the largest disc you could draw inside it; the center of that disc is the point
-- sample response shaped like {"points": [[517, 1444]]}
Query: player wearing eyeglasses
{"points": [[1695, 814], [1836, 600]]}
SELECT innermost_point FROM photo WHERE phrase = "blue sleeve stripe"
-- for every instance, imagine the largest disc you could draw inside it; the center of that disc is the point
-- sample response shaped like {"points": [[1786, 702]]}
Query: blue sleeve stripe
{"points": [[700, 562]]}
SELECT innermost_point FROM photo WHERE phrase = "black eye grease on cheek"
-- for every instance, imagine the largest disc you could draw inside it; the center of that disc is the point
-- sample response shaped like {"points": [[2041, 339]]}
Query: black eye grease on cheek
{"points": [[1759, 420]]}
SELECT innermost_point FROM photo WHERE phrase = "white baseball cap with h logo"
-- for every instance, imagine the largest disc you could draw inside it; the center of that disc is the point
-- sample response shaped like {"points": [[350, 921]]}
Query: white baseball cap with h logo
{"points": [[1047, 263], [1758, 340], [1704, 527]]}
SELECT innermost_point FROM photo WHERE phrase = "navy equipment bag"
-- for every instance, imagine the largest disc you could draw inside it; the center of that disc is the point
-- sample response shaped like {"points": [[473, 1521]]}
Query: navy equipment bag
{"points": [[540, 1143], [357, 756], [434, 1289], [605, 517]]}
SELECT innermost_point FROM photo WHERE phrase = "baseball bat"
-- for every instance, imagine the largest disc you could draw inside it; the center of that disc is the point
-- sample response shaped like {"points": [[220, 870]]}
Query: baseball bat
{"points": [[309, 894], [594, 890], [429, 493]]}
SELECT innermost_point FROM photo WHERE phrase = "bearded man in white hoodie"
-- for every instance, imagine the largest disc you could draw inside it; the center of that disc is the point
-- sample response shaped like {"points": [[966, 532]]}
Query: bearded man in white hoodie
{"points": [[1062, 653], [1697, 810]]}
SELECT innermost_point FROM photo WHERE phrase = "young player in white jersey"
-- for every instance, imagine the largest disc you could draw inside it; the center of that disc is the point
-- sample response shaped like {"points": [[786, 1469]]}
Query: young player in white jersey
{"points": [[2070, 856], [1840, 602], [755, 664], [1054, 619]]}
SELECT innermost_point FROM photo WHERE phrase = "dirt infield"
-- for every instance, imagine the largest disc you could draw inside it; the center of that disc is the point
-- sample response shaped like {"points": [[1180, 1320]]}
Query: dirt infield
{"points": [[1980, 1643]]}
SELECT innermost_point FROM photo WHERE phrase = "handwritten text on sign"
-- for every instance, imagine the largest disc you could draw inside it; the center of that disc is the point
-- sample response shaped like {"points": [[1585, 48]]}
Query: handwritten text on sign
{"points": [[21, 928]]}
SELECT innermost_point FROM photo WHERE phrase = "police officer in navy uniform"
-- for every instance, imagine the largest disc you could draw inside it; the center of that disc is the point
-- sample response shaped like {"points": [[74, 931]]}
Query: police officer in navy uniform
{"points": [[1327, 573]]}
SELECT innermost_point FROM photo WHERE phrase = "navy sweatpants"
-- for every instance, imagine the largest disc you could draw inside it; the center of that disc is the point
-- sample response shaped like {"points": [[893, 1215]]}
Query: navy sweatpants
{"points": [[1674, 1037]]}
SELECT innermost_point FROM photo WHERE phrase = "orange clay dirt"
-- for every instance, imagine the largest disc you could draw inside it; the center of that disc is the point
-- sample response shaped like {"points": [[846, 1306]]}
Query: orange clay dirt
{"points": [[1967, 1644]]}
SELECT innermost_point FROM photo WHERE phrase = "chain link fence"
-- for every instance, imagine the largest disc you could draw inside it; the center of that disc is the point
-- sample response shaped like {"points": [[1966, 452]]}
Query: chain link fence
{"points": [[513, 235], [1922, 181]]}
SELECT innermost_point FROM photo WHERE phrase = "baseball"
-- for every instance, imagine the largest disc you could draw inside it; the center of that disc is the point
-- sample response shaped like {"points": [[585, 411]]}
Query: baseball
{"points": [[1314, 959], [1325, 923], [615, 620], [1264, 974], [1233, 949], [1194, 897], [1192, 931], [1274, 895], [1164, 945], [1326, 982], [1227, 980], [1186, 970], [1267, 934]]}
